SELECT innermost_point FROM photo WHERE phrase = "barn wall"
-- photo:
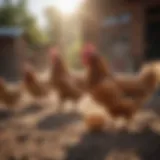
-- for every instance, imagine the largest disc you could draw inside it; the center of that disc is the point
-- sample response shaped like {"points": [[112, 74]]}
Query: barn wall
{"points": [[112, 32], [123, 42], [116, 35], [139, 29], [20, 48]]}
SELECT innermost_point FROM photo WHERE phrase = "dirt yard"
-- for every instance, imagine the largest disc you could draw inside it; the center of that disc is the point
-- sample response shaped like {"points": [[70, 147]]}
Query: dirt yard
{"points": [[39, 133]]}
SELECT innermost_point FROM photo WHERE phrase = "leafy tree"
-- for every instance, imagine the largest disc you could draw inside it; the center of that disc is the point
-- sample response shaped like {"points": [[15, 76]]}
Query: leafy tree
{"points": [[8, 15], [18, 15]]}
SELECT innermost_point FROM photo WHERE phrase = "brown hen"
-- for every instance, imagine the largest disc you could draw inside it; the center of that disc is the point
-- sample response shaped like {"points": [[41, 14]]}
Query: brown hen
{"points": [[35, 87], [68, 86], [105, 89], [9, 97]]}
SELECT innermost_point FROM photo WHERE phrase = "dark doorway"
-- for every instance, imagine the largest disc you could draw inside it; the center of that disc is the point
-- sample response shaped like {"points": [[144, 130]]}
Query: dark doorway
{"points": [[153, 34]]}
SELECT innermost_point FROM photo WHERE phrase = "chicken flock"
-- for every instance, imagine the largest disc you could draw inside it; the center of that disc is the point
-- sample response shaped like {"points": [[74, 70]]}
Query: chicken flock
{"points": [[119, 95]]}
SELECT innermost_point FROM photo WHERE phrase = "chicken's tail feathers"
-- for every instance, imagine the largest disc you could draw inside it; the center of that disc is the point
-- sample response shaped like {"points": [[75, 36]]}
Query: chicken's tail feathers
{"points": [[150, 73], [156, 68]]}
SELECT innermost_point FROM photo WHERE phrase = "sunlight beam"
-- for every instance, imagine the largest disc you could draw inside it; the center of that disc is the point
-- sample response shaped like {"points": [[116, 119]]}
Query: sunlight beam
{"points": [[67, 6]]}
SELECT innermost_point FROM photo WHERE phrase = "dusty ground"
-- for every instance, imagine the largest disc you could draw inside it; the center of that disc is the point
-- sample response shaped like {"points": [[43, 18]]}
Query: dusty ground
{"points": [[39, 133]]}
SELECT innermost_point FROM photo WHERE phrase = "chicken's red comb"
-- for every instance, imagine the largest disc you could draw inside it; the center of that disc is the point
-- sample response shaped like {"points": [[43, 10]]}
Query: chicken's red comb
{"points": [[89, 48], [54, 51], [27, 67], [87, 51]]}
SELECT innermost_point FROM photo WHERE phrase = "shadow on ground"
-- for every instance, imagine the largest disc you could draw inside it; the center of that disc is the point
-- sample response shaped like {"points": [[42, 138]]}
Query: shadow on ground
{"points": [[55, 121], [154, 102], [31, 109], [96, 146], [5, 114]]}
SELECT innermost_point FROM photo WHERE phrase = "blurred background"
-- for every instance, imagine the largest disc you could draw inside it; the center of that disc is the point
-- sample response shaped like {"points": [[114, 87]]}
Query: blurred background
{"points": [[126, 32]]}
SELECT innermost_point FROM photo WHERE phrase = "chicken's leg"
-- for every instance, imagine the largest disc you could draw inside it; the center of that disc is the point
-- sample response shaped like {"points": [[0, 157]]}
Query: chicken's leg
{"points": [[60, 106]]}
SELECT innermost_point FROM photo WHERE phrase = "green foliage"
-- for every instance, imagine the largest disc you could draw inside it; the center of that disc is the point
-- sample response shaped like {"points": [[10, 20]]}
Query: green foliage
{"points": [[73, 55], [8, 16], [35, 36], [18, 15], [65, 31]]}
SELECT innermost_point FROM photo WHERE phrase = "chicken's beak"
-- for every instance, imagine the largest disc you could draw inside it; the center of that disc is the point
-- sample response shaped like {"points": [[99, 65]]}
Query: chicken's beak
{"points": [[87, 52]]}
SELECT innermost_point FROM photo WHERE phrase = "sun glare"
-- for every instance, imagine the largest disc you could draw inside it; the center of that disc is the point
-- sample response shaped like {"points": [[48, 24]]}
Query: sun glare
{"points": [[67, 6]]}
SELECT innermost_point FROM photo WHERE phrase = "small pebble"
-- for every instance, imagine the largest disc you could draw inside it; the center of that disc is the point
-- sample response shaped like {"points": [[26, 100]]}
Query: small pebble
{"points": [[22, 138]]}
